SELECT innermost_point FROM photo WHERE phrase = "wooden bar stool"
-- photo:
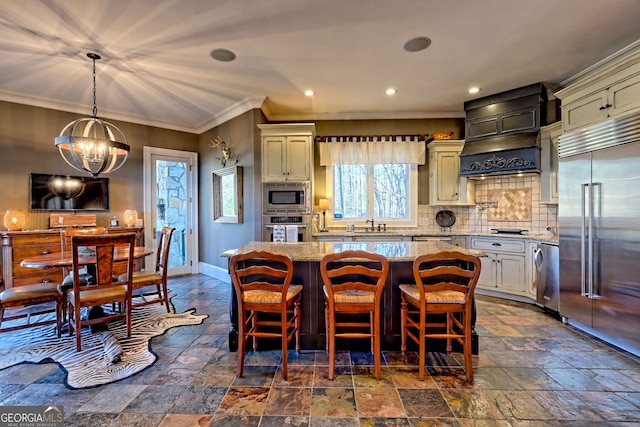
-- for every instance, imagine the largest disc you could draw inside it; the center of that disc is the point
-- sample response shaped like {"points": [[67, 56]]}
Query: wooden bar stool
{"points": [[353, 283], [444, 285], [262, 282]]}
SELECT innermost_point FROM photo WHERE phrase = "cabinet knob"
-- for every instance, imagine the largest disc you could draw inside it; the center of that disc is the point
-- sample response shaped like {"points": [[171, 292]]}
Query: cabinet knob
{"points": [[608, 105], [46, 280], [496, 244], [602, 108], [44, 252]]}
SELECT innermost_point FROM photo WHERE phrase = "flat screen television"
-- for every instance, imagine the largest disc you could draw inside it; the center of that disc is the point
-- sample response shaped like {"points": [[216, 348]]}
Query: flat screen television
{"points": [[68, 193]]}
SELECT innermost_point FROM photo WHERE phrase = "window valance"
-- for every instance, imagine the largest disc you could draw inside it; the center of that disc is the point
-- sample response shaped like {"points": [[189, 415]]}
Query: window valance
{"points": [[379, 149]]}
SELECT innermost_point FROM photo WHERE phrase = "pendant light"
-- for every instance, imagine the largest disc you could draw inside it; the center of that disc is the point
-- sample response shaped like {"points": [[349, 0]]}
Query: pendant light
{"points": [[90, 144]]}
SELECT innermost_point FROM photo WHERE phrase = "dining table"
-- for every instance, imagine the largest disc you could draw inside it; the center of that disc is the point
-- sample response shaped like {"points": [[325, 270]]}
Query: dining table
{"points": [[65, 259]]}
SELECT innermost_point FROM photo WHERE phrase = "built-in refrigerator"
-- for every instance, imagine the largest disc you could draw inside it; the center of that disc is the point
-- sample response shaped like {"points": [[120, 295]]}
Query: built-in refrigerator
{"points": [[599, 228]]}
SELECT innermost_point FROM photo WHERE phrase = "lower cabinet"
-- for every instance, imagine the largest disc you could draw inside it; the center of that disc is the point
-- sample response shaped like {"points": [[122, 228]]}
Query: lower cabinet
{"points": [[460, 241], [504, 267]]}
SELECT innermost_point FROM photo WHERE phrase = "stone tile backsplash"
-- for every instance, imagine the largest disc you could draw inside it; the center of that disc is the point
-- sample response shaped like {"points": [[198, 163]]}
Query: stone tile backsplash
{"points": [[517, 206]]}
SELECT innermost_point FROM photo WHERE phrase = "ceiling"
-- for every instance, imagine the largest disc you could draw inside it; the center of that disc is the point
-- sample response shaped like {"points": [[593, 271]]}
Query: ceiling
{"points": [[157, 69]]}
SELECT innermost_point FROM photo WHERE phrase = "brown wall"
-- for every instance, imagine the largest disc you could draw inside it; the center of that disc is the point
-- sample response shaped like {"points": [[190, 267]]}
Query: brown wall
{"points": [[27, 145], [385, 127], [242, 135]]}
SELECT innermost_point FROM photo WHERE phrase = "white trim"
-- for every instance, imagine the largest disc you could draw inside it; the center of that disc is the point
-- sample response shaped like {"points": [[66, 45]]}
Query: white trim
{"points": [[192, 159], [412, 208], [215, 272]]}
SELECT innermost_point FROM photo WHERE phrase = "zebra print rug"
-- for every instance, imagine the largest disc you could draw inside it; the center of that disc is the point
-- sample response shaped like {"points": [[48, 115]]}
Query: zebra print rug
{"points": [[98, 363]]}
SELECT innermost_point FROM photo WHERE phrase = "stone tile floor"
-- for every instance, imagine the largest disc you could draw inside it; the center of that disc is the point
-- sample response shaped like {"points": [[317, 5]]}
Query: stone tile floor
{"points": [[531, 371]]}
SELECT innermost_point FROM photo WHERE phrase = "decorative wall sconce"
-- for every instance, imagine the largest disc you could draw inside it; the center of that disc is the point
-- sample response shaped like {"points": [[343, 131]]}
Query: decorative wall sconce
{"points": [[14, 220], [226, 151], [130, 217]]}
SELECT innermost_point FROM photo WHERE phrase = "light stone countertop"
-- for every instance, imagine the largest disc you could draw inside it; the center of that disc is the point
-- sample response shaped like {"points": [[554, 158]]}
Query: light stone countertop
{"points": [[314, 251], [546, 237]]}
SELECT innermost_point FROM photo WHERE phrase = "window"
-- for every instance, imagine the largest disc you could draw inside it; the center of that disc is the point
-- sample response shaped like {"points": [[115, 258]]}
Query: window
{"points": [[386, 192]]}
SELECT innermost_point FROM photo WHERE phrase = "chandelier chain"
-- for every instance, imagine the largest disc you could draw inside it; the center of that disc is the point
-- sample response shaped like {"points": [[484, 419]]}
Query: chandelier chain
{"points": [[95, 107]]}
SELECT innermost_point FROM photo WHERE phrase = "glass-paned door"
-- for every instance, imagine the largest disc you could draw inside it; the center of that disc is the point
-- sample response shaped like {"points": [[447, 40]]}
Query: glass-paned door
{"points": [[170, 181]]}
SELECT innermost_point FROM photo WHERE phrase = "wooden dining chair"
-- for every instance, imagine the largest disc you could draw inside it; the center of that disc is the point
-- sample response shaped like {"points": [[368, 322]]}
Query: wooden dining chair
{"points": [[262, 282], [30, 300], [444, 286], [67, 233], [144, 280], [353, 283], [65, 245], [106, 289]]}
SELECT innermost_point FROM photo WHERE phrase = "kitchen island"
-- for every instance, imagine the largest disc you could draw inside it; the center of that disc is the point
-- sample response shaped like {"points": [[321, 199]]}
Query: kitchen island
{"points": [[306, 258]]}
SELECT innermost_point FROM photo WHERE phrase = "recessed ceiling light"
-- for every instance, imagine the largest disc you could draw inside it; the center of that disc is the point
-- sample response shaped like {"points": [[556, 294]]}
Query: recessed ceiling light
{"points": [[391, 91], [417, 44], [474, 90], [309, 92], [223, 55]]}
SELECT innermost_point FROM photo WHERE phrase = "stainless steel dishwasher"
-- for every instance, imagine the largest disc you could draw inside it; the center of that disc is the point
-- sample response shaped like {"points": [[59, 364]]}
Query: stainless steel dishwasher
{"points": [[546, 260]]}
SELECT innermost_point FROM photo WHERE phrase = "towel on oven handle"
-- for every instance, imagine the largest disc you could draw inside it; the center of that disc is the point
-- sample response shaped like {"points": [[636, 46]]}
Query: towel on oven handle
{"points": [[292, 233], [278, 233]]}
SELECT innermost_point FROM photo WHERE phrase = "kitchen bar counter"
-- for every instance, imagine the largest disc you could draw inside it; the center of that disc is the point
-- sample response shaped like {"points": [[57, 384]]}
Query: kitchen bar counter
{"points": [[314, 251], [306, 258]]}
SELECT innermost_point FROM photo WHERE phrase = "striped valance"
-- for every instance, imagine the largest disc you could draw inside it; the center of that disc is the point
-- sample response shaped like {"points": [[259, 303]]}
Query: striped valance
{"points": [[372, 149]]}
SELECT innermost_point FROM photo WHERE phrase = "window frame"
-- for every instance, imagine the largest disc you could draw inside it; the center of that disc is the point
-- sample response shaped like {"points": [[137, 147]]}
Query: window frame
{"points": [[412, 202]]}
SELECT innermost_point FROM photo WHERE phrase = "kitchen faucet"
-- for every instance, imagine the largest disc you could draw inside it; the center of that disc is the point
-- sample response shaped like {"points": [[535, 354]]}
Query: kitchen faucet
{"points": [[370, 221]]}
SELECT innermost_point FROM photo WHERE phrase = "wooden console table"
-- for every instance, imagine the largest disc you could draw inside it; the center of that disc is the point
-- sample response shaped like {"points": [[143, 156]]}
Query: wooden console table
{"points": [[18, 245]]}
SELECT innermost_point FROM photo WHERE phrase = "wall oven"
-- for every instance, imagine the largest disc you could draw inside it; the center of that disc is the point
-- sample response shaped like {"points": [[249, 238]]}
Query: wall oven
{"points": [[289, 197], [301, 221]]}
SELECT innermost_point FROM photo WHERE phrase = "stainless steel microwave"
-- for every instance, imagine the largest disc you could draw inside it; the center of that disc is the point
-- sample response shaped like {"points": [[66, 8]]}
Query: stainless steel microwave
{"points": [[287, 197]]}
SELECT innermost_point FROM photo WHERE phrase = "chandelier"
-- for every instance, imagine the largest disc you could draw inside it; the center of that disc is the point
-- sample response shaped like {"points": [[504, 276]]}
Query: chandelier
{"points": [[90, 144]]}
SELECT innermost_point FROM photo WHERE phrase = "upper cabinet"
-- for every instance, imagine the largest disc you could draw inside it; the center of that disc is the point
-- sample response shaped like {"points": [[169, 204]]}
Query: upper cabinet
{"points": [[611, 89], [287, 151], [549, 136], [446, 186]]}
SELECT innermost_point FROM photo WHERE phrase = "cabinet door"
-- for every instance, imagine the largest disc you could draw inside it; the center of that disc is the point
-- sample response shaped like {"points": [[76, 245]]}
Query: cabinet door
{"points": [[487, 277], [584, 111], [447, 177], [549, 163], [298, 158], [273, 158], [511, 273], [460, 242], [624, 96]]}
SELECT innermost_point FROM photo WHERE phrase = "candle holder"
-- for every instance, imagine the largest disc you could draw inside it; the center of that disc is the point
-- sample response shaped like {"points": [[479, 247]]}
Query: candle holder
{"points": [[323, 205]]}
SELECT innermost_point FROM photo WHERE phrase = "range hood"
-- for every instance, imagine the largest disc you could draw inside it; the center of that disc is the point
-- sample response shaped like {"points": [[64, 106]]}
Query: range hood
{"points": [[502, 132], [501, 155]]}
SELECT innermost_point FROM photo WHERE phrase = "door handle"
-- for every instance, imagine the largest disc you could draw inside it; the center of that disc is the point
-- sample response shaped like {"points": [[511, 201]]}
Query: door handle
{"points": [[594, 205], [583, 243], [538, 258]]}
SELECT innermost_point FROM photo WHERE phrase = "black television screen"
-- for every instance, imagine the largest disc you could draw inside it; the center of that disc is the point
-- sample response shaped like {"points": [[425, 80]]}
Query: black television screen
{"points": [[68, 193]]}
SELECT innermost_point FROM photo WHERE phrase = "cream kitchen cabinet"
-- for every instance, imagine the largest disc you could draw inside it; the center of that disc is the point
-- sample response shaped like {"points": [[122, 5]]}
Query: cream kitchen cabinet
{"points": [[446, 186], [287, 151], [611, 90], [549, 136], [460, 241], [504, 267]]}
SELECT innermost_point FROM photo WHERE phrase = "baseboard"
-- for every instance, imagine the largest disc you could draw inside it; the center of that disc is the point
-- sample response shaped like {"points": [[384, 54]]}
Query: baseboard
{"points": [[215, 272]]}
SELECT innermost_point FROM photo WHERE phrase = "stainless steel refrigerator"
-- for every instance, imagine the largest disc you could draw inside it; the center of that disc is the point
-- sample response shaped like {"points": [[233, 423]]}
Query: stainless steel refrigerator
{"points": [[599, 226]]}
